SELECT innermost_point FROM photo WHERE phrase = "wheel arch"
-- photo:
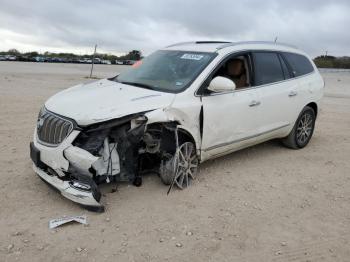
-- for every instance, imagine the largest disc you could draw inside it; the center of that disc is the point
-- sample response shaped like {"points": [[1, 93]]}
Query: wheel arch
{"points": [[186, 136], [314, 106], [186, 128]]}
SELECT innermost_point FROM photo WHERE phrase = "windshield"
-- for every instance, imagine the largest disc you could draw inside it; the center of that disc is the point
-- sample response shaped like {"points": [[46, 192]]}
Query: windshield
{"points": [[168, 71]]}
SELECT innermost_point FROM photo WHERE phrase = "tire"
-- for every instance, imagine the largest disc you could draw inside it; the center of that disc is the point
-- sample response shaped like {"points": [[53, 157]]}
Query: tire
{"points": [[302, 131], [166, 173], [180, 167]]}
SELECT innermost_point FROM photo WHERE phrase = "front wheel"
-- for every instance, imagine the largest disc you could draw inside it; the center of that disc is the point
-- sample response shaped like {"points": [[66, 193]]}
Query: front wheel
{"points": [[302, 131], [181, 167]]}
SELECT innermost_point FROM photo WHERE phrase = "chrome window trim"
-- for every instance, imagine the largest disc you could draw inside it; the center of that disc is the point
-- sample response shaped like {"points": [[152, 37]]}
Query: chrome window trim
{"points": [[248, 88]]}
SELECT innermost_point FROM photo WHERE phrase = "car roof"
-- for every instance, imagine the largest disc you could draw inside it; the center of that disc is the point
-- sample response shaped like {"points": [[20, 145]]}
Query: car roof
{"points": [[215, 46]]}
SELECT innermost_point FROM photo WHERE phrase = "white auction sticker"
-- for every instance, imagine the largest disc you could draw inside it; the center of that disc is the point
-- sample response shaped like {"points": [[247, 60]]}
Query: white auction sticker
{"points": [[192, 56]]}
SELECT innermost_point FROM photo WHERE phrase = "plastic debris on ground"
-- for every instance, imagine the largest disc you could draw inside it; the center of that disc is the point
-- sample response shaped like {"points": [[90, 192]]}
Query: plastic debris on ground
{"points": [[67, 219]]}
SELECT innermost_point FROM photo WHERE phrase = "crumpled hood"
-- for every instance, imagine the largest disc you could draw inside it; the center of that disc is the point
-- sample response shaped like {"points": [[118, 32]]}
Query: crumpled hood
{"points": [[104, 100]]}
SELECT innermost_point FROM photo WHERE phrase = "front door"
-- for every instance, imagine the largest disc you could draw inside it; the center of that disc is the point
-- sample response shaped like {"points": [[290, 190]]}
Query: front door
{"points": [[230, 120]]}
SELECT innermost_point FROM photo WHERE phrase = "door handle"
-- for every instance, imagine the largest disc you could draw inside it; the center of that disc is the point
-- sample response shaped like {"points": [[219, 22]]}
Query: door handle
{"points": [[254, 103], [292, 93]]}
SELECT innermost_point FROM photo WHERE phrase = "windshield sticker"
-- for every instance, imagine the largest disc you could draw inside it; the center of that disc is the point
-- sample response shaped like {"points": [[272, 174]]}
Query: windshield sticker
{"points": [[178, 83], [192, 57]]}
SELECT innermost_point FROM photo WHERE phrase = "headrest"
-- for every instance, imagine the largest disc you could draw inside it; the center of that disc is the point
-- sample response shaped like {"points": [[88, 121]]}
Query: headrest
{"points": [[235, 67]]}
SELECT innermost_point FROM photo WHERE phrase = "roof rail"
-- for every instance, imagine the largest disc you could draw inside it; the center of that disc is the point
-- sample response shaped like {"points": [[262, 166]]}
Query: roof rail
{"points": [[254, 42], [200, 42], [181, 43], [213, 42]]}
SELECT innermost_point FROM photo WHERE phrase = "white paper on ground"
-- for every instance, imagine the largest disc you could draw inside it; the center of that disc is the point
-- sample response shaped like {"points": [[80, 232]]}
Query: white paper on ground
{"points": [[63, 220]]}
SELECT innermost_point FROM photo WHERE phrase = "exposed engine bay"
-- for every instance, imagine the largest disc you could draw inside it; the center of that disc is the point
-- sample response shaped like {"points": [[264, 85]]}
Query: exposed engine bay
{"points": [[124, 149]]}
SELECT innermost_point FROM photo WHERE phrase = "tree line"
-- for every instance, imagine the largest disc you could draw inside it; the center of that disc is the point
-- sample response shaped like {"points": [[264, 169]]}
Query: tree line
{"points": [[332, 62], [133, 55], [324, 61]]}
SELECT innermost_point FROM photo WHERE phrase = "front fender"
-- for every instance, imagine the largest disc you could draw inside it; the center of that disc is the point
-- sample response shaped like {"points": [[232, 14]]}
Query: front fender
{"points": [[186, 122]]}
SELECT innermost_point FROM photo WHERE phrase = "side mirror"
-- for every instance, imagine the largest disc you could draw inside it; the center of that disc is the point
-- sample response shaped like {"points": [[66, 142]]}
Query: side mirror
{"points": [[221, 84]]}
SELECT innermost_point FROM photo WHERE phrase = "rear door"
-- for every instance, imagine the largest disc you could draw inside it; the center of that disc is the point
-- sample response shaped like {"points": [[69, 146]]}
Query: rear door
{"points": [[276, 105], [303, 79]]}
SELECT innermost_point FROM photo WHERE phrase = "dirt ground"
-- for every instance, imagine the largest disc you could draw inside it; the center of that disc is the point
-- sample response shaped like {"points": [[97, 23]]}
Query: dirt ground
{"points": [[265, 203]]}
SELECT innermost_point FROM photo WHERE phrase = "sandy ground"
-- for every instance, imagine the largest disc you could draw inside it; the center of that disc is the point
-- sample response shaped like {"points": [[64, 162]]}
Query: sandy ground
{"points": [[265, 203]]}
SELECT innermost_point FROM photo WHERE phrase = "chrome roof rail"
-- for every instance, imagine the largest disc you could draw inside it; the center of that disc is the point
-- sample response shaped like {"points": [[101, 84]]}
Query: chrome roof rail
{"points": [[225, 44], [213, 42], [200, 42], [255, 42], [181, 43]]}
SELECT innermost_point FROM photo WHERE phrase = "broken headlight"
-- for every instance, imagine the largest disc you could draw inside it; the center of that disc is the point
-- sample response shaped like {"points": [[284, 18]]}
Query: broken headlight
{"points": [[138, 121], [91, 138]]}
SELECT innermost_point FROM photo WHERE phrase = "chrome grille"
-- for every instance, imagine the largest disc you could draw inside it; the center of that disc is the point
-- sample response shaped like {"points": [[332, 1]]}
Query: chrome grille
{"points": [[52, 129]]}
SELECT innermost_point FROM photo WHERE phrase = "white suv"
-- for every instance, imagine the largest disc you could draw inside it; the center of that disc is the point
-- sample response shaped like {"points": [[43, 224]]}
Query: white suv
{"points": [[176, 108]]}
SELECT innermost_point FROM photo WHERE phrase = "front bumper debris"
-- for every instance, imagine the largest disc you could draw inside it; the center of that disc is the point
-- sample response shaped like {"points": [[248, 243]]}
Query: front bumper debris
{"points": [[50, 165], [88, 196]]}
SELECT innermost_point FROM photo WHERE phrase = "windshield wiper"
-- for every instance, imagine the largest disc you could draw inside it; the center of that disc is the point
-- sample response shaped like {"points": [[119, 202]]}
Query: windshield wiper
{"points": [[138, 85]]}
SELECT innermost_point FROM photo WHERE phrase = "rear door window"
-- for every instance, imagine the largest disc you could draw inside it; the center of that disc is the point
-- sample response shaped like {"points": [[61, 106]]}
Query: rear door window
{"points": [[299, 64], [267, 68]]}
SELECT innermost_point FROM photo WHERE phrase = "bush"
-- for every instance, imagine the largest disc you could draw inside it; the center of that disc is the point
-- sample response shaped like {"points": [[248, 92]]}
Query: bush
{"points": [[332, 62]]}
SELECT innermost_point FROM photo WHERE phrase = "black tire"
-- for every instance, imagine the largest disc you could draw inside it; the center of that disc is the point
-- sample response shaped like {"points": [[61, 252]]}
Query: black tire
{"points": [[180, 168], [165, 173], [302, 131]]}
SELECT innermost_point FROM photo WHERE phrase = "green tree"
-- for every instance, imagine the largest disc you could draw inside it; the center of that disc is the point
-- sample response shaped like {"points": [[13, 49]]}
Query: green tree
{"points": [[13, 52], [132, 55]]}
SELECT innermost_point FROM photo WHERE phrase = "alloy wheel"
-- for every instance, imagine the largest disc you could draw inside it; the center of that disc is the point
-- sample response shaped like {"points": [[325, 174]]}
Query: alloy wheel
{"points": [[185, 165], [304, 128]]}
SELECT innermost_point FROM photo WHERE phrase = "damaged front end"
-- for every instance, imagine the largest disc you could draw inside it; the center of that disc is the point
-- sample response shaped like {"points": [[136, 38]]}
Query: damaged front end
{"points": [[75, 160], [109, 152]]}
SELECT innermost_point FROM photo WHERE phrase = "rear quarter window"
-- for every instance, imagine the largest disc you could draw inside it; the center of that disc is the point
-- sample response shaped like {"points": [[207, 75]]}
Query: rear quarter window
{"points": [[299, 64]]}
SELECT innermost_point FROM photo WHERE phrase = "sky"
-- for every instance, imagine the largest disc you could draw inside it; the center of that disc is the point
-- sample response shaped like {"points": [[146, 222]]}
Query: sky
{"points": [[116, 26]]}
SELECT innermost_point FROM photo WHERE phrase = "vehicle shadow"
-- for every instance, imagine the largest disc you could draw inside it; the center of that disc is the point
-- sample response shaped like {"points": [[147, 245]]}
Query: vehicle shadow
{"points": [[251, 154]]}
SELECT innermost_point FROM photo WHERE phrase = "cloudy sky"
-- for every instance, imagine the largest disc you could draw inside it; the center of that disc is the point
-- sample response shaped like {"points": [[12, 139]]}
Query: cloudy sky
{"points": [[119, 26]]}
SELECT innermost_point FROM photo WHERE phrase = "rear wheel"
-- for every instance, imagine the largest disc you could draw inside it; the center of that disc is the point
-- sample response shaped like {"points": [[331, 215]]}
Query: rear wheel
{"points": [[302, 131]]}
